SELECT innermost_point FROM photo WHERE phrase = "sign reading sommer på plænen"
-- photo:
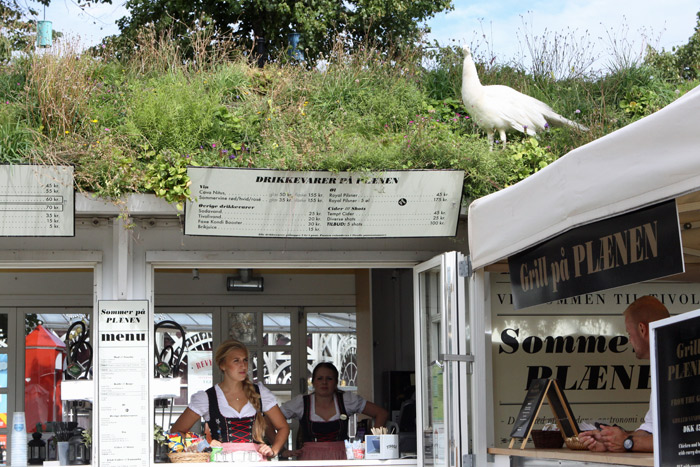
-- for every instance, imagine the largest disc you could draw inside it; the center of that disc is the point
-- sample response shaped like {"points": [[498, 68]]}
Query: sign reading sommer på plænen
{"points": [[581, 342], [123, 370], [269, 203], [36, 201]]}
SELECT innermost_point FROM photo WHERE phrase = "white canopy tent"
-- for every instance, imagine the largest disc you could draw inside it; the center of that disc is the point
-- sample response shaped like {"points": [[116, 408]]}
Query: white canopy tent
{"points": [[654, 159]]}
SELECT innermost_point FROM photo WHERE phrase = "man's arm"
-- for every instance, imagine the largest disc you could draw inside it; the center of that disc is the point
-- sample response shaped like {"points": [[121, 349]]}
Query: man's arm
{"points": [[643, 441], [614, 437]]}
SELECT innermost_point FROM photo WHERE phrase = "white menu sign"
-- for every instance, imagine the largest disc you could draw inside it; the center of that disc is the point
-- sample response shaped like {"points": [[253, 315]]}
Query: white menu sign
{"points": [[37, 201], [271, 203], [124, 372]]}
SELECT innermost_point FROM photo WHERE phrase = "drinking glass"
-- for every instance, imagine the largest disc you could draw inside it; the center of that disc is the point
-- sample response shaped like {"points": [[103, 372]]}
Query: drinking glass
{"points": [[352, 426]]}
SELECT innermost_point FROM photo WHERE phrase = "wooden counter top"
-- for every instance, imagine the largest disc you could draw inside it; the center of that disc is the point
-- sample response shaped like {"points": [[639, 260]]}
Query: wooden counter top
{"points": [[283, 463], [622, 458]]}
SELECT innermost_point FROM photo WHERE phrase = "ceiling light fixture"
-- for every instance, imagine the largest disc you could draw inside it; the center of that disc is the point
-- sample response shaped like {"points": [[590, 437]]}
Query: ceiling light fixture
{"points": [[245, 282]]}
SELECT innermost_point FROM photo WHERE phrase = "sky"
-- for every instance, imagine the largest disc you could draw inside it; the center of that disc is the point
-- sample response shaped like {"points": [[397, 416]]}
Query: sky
{"points": [[496, 28]]}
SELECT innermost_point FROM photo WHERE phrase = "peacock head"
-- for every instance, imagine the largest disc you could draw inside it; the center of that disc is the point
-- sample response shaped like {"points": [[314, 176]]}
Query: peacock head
{"points": [[467, 51]]}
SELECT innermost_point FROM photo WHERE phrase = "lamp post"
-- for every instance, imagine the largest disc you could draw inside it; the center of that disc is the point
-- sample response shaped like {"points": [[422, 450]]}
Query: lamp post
{"points": [[261, 51]]}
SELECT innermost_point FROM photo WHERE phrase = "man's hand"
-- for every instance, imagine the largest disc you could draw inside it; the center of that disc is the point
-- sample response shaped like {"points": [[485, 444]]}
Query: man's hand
{"points": [[592, 441], [613, 437]]}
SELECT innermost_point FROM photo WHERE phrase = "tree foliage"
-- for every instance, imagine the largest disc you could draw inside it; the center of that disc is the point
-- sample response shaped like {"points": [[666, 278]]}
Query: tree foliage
{"points": [[688, 55], [683, 62], [15, 31], [319, 22]]}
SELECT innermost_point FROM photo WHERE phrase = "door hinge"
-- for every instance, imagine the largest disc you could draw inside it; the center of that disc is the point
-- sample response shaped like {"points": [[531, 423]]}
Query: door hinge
{"points": [[468, 460], [465, 267]]}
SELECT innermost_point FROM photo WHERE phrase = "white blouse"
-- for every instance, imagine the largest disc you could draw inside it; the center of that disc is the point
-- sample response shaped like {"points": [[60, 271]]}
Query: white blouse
{"points": [[295, 407], [199, 403]]}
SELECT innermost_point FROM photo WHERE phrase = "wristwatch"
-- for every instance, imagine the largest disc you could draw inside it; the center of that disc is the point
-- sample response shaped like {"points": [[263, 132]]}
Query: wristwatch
{"points": [[628, 443]]}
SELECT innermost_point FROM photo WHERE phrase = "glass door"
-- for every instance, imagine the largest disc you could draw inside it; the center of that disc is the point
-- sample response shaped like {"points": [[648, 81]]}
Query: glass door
{"points": [[331, 336], [183, 359], [268, 332], [442, 360]]}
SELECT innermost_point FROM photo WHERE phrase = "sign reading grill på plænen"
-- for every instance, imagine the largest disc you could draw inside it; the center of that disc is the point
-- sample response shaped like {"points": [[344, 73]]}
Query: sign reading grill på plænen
{"points": [[633, 247], [269, 203]]}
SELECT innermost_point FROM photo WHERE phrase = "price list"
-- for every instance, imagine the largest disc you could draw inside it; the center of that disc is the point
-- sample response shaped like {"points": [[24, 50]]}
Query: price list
{"points": [[36, 201], [267, 203]]}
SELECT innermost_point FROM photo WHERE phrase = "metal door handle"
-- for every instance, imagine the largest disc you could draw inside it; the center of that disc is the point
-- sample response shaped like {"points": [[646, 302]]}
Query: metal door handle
{"points": [[450, 357]]}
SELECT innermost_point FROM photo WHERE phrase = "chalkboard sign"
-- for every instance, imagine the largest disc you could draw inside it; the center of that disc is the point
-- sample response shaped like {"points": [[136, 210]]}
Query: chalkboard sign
{"points": [[562, 410], [539, 388], [530, 408]]}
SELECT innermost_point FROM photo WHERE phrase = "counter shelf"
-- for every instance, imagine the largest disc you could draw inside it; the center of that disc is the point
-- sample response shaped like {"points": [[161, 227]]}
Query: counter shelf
{"points": [[527, 457], [319, 463]]}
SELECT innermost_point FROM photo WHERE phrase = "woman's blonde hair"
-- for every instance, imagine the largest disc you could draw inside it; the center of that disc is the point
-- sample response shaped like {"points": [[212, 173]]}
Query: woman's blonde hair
{"points": [[220, 355]]}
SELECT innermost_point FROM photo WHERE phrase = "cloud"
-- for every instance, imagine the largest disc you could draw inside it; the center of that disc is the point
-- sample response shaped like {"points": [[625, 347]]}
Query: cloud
{"points": [[501, 26]]}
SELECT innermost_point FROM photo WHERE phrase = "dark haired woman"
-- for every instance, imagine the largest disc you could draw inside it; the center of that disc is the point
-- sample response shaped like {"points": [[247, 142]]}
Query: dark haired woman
{"points": [[323, 415], [234, 408]]}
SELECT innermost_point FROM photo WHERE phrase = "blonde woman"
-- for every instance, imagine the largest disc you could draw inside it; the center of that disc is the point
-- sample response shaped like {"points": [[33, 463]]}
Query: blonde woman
{"points": [[234, 408]]}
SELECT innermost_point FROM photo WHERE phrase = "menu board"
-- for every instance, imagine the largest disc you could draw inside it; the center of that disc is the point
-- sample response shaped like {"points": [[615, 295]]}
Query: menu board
{"points": [[37, 201], [530, 408], [675, 344], [268, 203], [123, 374]]}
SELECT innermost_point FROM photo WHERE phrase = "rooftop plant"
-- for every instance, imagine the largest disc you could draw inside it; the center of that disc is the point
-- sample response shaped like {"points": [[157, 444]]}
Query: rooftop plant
{"points": [[133, 122]]}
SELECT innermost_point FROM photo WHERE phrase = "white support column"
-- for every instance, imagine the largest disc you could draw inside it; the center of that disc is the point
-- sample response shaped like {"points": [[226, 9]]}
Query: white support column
{"points": [[122, 260], [482, 380], [98, 293]]}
